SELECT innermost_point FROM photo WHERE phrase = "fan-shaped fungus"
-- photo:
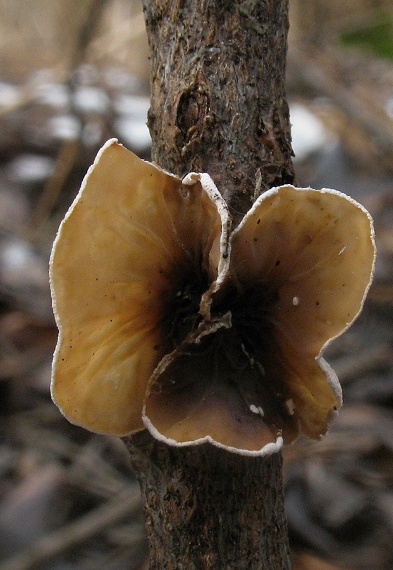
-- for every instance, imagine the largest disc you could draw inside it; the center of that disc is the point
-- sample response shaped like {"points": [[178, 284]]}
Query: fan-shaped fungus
{"points": [[170, 320]]}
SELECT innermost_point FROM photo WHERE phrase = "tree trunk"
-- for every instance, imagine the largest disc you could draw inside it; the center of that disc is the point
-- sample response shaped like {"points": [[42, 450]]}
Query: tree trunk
{"points": [[218, 93], [207, 508], [218, 106]]}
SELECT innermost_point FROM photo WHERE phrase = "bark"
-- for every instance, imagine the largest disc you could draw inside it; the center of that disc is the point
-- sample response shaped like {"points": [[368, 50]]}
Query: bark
{"points": [[218, 106], [209, 509], [218, 95]]}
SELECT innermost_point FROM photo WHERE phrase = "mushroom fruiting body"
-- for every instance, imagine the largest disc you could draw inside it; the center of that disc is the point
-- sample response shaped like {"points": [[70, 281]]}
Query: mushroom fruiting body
{"points": [[169, 319]]}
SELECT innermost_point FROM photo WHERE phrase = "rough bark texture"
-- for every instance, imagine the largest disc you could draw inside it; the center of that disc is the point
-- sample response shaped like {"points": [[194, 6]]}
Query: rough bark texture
{"points": [[218, 106], [210, 509], [218, 95]]}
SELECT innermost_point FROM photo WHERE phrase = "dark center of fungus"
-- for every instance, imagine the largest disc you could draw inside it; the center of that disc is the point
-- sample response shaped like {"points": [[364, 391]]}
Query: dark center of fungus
{"points": [[182, 315], [244, 358], [251, 355]]}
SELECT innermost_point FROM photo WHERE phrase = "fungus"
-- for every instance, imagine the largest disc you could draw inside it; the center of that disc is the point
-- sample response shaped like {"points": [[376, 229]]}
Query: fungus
{"points": [[171, 320]]}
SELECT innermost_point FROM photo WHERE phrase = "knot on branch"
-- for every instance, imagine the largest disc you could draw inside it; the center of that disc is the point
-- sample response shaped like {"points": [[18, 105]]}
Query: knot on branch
{"points": [[192, 114]]}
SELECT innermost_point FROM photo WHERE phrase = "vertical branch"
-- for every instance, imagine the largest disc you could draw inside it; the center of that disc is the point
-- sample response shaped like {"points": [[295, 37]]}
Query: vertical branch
{"points": [[209, 509], [218, 93], [217, 105]]}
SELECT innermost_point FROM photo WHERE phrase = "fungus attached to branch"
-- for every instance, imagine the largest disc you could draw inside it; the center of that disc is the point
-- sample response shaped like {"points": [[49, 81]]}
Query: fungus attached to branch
{"points": [[169, 319]]}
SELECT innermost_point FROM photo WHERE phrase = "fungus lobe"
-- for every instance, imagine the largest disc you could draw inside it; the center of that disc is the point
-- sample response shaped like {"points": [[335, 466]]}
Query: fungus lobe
{"points": [[170, 319]]}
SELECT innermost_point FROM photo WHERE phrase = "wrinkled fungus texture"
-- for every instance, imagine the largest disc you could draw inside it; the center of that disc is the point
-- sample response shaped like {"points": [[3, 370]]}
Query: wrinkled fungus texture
{"points": [[171, 320]]}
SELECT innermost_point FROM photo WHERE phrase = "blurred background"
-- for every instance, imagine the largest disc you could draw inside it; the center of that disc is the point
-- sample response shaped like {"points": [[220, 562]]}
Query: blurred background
{"points": [[72, 75]]}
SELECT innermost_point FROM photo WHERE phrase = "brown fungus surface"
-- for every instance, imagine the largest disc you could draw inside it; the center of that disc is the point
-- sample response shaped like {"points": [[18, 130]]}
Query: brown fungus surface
{"points": [[170, 321], [132, 239], [311, 275]]}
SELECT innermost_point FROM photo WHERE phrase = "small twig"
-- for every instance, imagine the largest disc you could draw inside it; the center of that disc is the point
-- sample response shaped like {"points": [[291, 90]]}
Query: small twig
{"points": [[53, 187], [87, 31], [88, 470], [124, 505]]}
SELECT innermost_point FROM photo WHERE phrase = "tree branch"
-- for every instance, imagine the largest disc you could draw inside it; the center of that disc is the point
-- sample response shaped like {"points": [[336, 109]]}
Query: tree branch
{"points": [[218, 106]]}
